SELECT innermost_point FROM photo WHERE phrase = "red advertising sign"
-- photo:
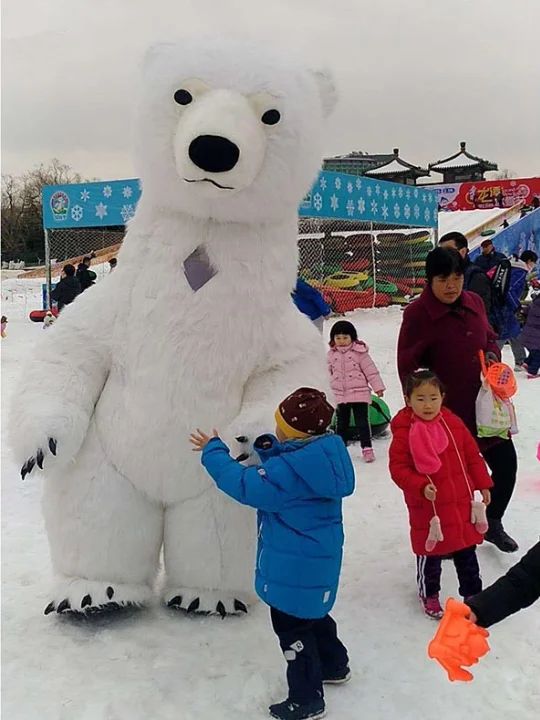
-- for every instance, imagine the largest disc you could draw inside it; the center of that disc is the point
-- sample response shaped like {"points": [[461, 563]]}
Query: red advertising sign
{"points": [[487, 194]]}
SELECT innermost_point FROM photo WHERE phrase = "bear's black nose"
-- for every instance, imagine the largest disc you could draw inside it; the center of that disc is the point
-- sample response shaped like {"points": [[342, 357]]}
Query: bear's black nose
{"points": [[213, 153]]}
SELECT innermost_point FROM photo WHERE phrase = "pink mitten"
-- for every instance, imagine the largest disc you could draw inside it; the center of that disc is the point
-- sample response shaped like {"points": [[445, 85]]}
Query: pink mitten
{"points": [[435, 533], [478, 516]]}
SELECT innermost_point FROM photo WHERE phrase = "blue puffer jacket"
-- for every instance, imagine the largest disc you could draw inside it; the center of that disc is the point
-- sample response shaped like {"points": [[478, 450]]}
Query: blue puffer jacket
{"points": [[508, 326], [309, 300], [298, 491]]}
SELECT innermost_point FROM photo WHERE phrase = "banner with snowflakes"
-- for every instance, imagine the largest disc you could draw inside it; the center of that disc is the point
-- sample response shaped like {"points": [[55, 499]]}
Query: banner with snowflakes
{"points": [[333, 195], [93, 204]]}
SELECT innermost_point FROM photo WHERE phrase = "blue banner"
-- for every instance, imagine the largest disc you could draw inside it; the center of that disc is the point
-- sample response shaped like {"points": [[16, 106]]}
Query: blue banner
{"points": [[333, 195]]}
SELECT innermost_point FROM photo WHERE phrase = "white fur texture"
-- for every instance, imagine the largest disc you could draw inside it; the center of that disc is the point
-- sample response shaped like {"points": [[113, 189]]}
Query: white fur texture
{"points": [[140, 359]]}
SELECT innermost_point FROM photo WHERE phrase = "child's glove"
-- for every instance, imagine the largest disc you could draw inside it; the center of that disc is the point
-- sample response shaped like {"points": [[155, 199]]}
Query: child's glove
{"points": [[478, 516], [435, 533]]}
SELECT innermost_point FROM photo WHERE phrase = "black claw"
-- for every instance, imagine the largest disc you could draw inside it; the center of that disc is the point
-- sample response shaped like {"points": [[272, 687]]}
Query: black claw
{"points": [[52, 446], [242, 457], [28, 467], [110, 592], [50, 608], [87, 600], [64, 605], [220, 608], [242, 439], [39, 458], [194, 605], [176, 601], [239, 606]]}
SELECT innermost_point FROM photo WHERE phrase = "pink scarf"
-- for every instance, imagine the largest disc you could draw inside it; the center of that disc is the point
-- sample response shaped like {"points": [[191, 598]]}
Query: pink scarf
{"points": [[427, 440]]}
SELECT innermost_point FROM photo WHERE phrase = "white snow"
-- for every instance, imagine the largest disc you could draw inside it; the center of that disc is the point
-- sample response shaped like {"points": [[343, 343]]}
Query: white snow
{"points": [[162, 666]]}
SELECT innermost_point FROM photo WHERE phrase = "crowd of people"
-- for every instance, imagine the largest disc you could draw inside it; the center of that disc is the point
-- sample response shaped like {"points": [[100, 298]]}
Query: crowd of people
{"points": [[73, 281], [456, 485]]}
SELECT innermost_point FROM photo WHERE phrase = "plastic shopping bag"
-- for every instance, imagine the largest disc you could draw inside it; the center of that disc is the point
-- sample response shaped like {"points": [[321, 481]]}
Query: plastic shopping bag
{"points": [[493, 417]]}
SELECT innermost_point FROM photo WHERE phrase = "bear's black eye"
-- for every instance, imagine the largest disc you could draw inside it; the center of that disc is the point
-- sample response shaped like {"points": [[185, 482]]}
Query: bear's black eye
{"points": [[183, 97], [271, 117]]}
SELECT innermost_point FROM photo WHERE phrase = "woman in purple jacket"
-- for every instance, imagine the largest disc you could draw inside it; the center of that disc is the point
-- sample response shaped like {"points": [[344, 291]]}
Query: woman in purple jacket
{"points": [[443, 330]]}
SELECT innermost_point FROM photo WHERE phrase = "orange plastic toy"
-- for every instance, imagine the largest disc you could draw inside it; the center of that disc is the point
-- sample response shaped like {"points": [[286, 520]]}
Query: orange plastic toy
{"points": [[458, 641], [499, 376]]}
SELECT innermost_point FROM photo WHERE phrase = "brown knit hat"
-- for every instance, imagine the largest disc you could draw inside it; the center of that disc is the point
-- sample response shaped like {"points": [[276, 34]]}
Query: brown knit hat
{"points": [[304, 413]]}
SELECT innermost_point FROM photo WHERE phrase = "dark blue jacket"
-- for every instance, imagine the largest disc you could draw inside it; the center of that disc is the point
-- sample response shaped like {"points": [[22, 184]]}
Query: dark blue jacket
{"points": [[298, 492], [508, 326], [486, 262], [309, 300]]}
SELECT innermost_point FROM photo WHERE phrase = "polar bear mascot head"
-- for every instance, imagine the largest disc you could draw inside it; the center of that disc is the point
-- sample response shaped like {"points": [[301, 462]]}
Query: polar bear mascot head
{"points": [[229, 132]]}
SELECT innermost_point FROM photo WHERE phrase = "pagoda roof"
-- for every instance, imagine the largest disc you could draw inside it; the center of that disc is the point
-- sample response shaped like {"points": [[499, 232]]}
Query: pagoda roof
{"points": [[397, 166], [382, 164], [462, 159]]}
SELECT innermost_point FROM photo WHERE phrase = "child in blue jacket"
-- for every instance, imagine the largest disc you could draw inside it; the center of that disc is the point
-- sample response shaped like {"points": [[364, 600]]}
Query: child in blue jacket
{"points": [[298, 492]]}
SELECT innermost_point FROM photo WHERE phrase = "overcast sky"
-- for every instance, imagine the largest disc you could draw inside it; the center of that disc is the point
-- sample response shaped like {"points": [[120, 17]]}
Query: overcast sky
{"points": [[421, 75]]}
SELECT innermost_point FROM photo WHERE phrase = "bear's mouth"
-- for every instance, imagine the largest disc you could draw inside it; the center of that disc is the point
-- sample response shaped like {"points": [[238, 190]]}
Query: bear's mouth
{"points": [[209, 180]]}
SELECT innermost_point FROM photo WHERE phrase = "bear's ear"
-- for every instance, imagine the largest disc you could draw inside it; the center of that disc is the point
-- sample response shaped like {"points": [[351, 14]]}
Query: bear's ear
{"points": [[327, 90]]}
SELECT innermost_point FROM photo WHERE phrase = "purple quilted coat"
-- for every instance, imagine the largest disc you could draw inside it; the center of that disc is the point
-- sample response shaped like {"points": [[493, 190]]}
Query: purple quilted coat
{"points": [[530, 337]]}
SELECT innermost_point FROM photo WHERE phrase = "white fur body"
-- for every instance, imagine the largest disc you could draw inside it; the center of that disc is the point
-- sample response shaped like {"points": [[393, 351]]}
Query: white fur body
{"points": [[139, 361]]}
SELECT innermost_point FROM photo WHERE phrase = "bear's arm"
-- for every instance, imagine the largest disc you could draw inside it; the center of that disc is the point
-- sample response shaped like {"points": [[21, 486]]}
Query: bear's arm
{"points": [[60, 385]]}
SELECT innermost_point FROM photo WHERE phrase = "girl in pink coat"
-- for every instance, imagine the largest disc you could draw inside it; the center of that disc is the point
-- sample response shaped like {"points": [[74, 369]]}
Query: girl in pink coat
{"points": [[353, 375]]}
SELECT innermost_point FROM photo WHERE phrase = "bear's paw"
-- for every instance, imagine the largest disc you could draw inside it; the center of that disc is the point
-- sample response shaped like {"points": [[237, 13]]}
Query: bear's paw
{"points": [[206, 602], [91, 597]]}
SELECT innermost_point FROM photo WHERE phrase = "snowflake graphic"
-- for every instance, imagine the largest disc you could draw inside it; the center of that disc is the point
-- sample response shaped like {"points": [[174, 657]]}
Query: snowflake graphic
{"points": [[77, 213], [317, 201], [400, 192], [436, 217], [361, 205], [358, 183], [377, 189], [407, 211], [322, 183], [427, 215], [107, 191], [334, 202], [424, 196], [127, 212], [373, 207], [350, 187], [350, 207], [385, 195], [369, 191], [85, 195], [408, 194], [384, 211], [337, 184], [393, 192], [416, 211], [397, 210], [416, 193], [101, 210], [430, 198], [127, 192]]}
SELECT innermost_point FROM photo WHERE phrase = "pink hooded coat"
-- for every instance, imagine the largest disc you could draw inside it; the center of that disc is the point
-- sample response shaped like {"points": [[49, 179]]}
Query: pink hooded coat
{"points": [[353, 374]]}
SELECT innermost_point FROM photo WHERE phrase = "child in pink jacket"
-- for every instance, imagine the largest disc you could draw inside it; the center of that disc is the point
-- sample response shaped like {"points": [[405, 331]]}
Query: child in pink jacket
{"points": [[353, 375]]}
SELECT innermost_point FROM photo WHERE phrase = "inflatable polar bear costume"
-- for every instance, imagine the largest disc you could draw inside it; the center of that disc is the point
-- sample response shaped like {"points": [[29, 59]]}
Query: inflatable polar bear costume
{"points": [[195, 328]]}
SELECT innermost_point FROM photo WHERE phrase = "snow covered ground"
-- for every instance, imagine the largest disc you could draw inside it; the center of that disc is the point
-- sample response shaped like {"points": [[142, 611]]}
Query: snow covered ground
{"points": [[163, 666]]}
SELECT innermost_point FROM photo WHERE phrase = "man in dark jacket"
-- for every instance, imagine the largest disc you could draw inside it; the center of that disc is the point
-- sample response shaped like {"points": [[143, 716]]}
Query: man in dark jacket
{"points": [[516, 590], [475, 279], [85, 276], [67, 289], [489, 257]]}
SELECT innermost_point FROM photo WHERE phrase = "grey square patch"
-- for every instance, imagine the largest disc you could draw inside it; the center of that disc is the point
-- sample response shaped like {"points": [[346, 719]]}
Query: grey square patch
{"points": [[198, 269]]}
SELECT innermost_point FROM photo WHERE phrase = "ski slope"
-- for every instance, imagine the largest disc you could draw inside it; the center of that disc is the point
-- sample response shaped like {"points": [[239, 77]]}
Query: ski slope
{"points": [[472, 222], [163, 666]]}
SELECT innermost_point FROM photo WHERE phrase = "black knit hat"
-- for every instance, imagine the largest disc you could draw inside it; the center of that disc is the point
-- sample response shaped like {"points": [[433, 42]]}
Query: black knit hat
{"points": [[304, 413], [343, 327]]}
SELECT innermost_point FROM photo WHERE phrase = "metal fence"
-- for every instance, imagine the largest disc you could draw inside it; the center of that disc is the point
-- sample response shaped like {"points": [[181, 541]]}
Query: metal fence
{"points": [[354, 264], [363, 264]]}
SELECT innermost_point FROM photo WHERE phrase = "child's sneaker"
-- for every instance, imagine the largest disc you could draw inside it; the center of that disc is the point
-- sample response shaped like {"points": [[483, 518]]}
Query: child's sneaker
{"points": [[533, 377], [368, 454], [432, 607], [339, 677], [289, 710]]}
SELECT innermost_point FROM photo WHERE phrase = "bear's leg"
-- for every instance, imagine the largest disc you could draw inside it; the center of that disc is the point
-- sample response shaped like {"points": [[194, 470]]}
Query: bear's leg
{"points": [[104, 535], [209, 552]]}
